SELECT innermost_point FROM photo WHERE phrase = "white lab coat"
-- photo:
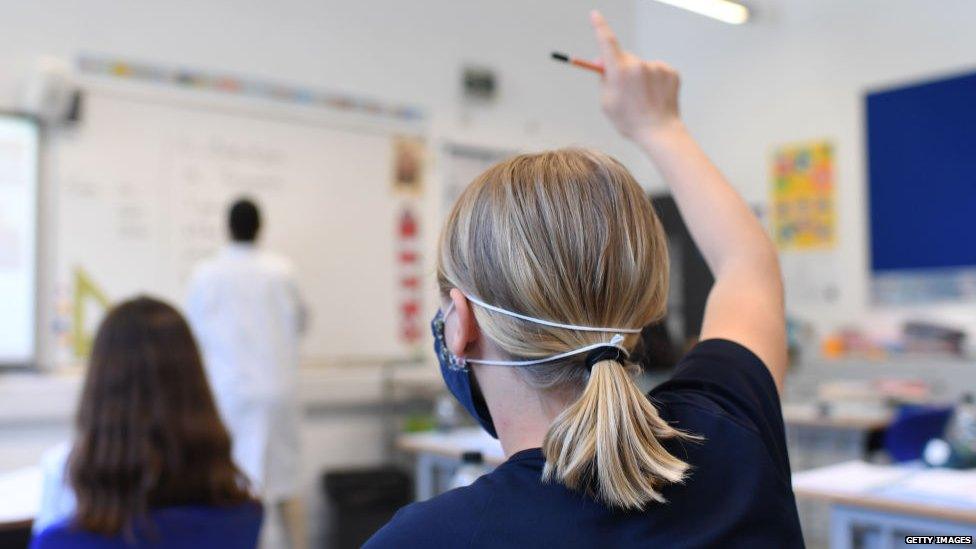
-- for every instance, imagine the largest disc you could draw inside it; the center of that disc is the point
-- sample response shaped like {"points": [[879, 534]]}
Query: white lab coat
{"points": [[57, 498], [248, 316]]}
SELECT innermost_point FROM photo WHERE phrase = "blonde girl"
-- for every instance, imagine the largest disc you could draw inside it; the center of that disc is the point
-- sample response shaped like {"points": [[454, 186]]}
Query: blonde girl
{"points": [[550, 265]]}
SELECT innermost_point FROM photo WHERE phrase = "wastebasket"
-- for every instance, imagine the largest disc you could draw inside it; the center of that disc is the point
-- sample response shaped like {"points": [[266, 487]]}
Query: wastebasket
{"points": [[363, 500]]}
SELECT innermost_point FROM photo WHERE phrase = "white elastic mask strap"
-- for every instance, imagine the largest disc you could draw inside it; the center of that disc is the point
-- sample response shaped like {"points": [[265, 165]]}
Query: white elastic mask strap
{"points": [[554, 324], [615, 341]]}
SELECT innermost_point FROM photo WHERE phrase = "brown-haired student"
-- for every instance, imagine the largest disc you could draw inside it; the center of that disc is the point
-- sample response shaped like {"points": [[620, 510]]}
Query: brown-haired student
{"points": [[150, 464]]}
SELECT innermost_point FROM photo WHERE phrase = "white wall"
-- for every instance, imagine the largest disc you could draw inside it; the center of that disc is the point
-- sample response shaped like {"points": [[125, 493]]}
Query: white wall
{"points": [[799, 71], [402, 51]]}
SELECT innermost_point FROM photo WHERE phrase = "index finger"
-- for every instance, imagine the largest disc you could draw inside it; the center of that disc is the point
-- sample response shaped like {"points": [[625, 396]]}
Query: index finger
{"points": [[609, 48]]}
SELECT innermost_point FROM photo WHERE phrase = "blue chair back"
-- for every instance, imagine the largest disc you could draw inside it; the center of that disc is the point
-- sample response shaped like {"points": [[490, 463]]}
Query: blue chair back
{"points": [[192, 527], [913, 427]]}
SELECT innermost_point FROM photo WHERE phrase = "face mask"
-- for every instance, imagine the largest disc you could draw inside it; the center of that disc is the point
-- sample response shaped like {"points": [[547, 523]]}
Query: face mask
{"points": [[457, 376]]}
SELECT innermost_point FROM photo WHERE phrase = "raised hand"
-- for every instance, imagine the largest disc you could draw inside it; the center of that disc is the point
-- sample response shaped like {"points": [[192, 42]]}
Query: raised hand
{"points": [[745, 304], [638, 96]]}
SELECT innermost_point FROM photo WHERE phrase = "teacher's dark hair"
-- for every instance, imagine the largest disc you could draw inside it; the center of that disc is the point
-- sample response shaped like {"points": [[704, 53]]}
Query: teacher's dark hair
{"points": [[244, 220], [148, 431]]}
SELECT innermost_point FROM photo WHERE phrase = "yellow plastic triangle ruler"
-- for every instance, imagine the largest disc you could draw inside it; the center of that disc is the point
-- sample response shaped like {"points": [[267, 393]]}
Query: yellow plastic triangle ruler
{"points": [[86, 291]]}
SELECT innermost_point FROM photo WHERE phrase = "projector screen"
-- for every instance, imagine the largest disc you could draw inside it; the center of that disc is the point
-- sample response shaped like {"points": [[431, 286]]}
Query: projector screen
{"points": [[19, 144]]}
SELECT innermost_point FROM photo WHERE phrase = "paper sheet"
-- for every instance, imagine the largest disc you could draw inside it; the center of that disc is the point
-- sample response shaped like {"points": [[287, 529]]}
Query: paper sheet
{"points": [[913, 483], [21, 494], [937, 486], [851, 477]]}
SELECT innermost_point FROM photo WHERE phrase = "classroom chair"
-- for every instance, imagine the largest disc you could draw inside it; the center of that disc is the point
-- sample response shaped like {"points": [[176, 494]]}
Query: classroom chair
{"points": [[913, 427]]}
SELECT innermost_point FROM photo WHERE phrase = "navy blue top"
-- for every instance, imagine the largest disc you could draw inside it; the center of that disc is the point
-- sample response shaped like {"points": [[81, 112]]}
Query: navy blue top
{"points": [[191, 527], [738, 493]]}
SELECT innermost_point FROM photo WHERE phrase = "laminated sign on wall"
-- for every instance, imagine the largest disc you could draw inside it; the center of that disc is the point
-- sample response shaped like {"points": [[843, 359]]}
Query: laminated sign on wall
{"points": [[803, 220], [803, 210]]}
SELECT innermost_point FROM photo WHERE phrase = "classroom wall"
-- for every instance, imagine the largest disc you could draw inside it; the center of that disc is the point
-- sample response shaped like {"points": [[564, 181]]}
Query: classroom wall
{"points": [[799, 71], [402, 51]]}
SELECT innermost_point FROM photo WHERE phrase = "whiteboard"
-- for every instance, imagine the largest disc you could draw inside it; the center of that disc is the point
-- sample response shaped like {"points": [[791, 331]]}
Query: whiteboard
{"points": [[18, 239], [463, 162], [144, 184]]}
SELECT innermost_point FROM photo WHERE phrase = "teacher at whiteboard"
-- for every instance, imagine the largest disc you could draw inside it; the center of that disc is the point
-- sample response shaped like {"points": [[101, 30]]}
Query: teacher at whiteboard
{"points": [[246, 310]]}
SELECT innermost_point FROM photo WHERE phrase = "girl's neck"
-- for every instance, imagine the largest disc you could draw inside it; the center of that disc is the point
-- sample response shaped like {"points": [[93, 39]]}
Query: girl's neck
{"points": [[522, 415]]}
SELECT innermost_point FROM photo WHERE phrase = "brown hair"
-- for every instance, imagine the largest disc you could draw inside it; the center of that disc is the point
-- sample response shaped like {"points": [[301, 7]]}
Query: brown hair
{"points": [[148, 432], [569, 236]]}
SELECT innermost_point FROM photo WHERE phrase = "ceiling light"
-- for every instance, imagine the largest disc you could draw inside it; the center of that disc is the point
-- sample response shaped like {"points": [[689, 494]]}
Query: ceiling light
{"points": [[723, 10]]}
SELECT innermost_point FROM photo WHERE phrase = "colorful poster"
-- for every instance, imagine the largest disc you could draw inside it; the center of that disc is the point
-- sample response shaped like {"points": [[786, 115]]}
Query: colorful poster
{"points": [[408, 165], [410, 274], [803, 211]]}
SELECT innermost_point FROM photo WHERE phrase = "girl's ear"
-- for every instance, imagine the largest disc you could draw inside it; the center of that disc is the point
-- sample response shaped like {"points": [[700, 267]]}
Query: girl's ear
{"points": [[464, 330]]}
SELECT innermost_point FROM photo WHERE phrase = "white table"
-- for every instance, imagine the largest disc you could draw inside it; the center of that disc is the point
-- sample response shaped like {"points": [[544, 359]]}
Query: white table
{"points": [[20, 496], [438, 454], [878, 505]]}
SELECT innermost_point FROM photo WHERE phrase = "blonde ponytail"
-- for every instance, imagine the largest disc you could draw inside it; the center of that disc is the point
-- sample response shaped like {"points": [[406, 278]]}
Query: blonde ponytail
{"points": [[608, 443], [570, 236]]}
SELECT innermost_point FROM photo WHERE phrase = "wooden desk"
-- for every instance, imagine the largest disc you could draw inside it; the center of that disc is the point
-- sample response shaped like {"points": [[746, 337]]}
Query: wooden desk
{"points": [[878, 505], [438, 455]]}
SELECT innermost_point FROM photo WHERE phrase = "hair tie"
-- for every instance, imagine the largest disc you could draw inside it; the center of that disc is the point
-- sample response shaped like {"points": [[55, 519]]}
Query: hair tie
{"points": [[606, 352]]}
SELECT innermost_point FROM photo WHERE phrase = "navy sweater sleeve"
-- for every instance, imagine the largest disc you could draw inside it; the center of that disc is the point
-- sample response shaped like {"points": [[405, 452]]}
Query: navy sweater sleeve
{"points": [[724, 377], [448, 520]]}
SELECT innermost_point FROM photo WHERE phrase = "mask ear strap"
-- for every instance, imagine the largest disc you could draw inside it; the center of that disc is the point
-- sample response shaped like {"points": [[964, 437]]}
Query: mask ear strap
{"points": [[614, 345], [549, 322], [614, 342]]}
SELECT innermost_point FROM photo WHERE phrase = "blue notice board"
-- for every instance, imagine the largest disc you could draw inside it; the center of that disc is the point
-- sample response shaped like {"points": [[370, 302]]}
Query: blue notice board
{"points": [[921, 143]]}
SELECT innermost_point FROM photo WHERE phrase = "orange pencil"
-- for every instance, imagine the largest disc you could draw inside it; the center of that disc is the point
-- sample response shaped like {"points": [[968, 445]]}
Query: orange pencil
{"points": [[583, 64]]}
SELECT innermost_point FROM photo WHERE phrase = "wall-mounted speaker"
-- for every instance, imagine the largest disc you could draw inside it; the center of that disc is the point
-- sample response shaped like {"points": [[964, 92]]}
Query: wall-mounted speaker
{"points": [[479, 84], [50, 93]]}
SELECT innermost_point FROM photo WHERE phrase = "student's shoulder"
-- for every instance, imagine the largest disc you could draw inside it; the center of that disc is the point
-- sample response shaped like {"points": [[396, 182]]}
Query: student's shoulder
{"points": [[721, 375], [206, 270], [447, 520], [245, 512], [722, 391], [64, 534], [54, 459]]}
